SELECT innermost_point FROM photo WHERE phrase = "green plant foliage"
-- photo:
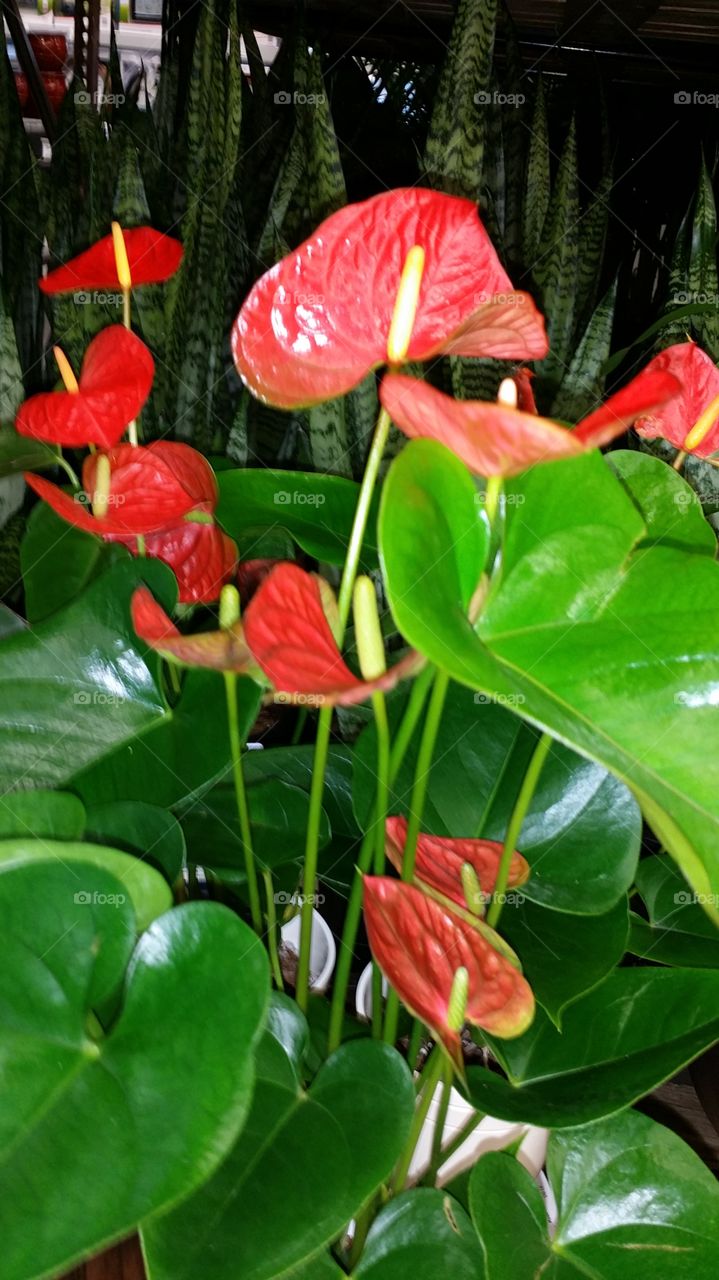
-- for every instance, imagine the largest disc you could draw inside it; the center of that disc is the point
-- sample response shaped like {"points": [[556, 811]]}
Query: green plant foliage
{"points": [[575, 582], [424, 1233], [110, 1107], [582, 387], [455, 143], [278, 818], [54, 815], [58, 562], [145, 830], [304, 1164], [678, 931], [632, 1198], [536, 204], [557, 263]]}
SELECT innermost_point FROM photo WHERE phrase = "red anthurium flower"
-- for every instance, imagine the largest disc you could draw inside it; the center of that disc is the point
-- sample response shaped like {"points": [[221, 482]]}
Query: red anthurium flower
{"points": [[313, 326], [440, 860], [152, 257], [224, 650], [152, 487], [699, 378], [115, 381], [419, 945], [288, 632], [523, 379], [493, 440], [200, 555]]}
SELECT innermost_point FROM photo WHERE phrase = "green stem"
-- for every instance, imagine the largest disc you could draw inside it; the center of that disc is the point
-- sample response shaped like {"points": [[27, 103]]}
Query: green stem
{"points": [[411, 718], [344, 602], [461, 1136], [416, 809], [63, 462], [514, 827], [415, 1041], [241, 797], [272, 930], [492, 495], [379, 707], [430, 1076], [436, 1160], [299, 726]]}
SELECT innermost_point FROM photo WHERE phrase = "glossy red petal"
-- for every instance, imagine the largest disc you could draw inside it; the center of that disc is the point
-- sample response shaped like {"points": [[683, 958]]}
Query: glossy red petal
{"points": [[290, 637], [440, 860], [508, 327], [419, 945], [220, 650], [114, 384], [490, 439], [650, 390], [152, 256], [699, 378], [315, 324], [202, 559]]}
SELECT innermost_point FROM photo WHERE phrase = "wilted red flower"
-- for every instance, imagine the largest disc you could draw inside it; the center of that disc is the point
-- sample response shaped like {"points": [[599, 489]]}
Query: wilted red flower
{"points": [[440, 860], [699, 395], [419, 945], [152, 487], [493, 440], [114, 383], [152, 257], [201, 556], [318, 322], [288, 632], [222, 650]]}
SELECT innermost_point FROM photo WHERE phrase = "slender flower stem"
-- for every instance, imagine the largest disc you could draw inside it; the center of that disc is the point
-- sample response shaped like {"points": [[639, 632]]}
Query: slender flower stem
{"points": [[241, 797], [678, 462], [430, 1078], [491, 497], [436, 1160], [514, 827], [415, 1041], [461, 1136], [414, 821], [272, 930], [379, 707], [63, 462], [324, 720], [411, 718]]}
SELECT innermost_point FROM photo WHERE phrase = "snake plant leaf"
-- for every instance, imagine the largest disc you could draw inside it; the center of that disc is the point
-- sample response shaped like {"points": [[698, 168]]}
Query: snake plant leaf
{"points": [[592, 237], [514, 139], [12, 391], [455, 142], [575, 581], [538, 182], [702, 279], [582, 386], [671, 328], [632, 1198], [303, 1165], [618, 1042], [424, 1234], [557, 261], [77, 686], [101, 1108], [677, 932]]}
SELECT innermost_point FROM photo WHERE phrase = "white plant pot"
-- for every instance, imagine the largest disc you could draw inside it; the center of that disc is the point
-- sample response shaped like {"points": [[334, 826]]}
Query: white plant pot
{"points": [[323, 952], [491, 1134]]}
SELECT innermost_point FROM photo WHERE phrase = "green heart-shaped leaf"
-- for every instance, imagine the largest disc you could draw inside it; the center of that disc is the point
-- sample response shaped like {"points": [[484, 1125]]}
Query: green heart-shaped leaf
{"points": [[116, 1113], [53, 814], [423, 1234], [678, 931], [592, 635], [304, 1164], [633, 1201], [616, 1044], [151, 833]]}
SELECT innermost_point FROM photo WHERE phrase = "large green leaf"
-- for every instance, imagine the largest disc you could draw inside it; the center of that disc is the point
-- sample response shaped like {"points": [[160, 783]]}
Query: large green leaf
{"points": [[56, 815], [678, 932], [563, 956], [77, 685], [423, 1234], [278, 817], [670, 509], [634, 1201], [181, 757], [304, 1164], [59, 561], [616, 1044], [455, 142], [148, 891], [19, 453], [317, 510], [609, 644], [582, 832], [116, 1113], [145, 830]]}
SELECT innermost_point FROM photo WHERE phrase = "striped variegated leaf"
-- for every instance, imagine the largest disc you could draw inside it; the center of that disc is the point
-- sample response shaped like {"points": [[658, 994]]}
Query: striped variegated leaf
{"points": [[453, 156], [537, 188], [582, 387], [555, 269]]}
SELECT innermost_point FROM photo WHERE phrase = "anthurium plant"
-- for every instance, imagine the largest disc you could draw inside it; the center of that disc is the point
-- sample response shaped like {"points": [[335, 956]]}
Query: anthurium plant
{"points": [[484, 680]]}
